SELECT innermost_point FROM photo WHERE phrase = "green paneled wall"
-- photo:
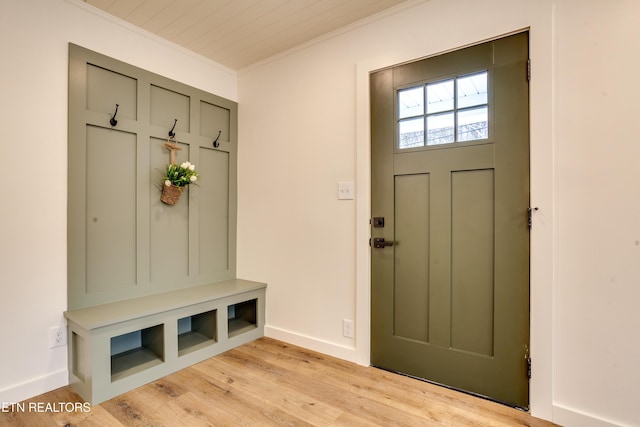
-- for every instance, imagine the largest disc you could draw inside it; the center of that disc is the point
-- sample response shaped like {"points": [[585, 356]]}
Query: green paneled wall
{"points": [[123, 242]]}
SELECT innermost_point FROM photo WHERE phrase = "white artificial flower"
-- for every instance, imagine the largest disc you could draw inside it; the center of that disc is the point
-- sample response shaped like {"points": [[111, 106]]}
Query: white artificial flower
{"points": [[185, 165], [167, 183], [193, 178], [192, 167]]}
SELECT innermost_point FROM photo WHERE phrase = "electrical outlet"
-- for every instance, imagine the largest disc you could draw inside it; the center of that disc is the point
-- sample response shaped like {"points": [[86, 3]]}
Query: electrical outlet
{"points": [[57, 336], [347, 328]]}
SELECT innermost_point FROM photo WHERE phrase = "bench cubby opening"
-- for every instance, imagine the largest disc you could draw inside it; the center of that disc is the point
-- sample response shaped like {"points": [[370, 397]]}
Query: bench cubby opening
{"points": [[136, 351], [242, 317], [196, 332]]}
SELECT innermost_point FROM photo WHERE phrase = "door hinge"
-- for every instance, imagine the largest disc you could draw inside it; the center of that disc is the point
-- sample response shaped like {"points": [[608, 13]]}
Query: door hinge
{"points": [[528, 70], [527, 360], [530, 216]]}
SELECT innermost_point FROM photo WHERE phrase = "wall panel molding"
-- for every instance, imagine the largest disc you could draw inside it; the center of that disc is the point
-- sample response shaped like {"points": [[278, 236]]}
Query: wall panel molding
{"points": [[123, 242]]}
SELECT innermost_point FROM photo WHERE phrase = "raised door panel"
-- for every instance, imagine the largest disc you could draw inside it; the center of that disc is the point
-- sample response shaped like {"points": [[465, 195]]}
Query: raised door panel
{"points": [[411, 285], [472, 261]]}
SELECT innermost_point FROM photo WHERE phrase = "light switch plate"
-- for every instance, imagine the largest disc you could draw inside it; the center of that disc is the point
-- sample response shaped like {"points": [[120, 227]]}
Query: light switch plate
{"points": [[345, 190]]}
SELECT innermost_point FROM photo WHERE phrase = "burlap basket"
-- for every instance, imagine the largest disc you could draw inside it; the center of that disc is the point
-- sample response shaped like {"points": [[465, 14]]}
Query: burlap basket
{"points": [[170, 194]]}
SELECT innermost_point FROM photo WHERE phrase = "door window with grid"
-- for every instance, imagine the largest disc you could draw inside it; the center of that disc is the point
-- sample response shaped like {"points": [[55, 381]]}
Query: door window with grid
{"points": [[444, 112]]}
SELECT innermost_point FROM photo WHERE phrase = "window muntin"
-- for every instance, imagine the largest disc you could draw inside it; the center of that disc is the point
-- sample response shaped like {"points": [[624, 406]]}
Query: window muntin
{"points": [[444, 112]]}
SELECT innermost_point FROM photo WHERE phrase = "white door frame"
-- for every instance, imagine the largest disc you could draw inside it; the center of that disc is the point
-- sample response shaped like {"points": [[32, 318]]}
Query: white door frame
{"points": [[543, 168]]}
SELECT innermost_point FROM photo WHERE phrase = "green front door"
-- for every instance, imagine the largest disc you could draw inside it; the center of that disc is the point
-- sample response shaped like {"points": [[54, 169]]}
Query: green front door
{"points": [[450, 196]]}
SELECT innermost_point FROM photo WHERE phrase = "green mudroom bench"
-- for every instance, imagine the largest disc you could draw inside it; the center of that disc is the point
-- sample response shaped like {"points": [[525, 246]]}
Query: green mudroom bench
{"points": [[118, 346]]}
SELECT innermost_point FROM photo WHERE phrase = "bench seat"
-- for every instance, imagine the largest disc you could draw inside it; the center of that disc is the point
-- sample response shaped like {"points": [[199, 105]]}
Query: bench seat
{"points": [[118, 346]]}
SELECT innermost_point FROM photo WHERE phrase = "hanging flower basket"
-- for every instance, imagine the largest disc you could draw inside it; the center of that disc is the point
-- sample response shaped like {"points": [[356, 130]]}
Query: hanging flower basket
{"points": [[176, 178], [170, 194]]}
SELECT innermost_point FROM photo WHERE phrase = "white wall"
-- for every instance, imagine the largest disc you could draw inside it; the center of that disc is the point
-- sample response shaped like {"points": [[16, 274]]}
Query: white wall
{"points": [[304, 127], [34, 37], [598, 188]]}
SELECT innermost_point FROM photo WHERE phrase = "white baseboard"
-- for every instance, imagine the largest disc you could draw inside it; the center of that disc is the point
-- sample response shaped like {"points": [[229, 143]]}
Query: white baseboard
{"points": [[324, 347], [37, 386], [568, 417]]}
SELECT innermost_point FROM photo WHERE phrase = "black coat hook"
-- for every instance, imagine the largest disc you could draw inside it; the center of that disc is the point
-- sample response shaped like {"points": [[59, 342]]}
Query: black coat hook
{"points": [[171, 132], [113, 120], [216, 144]]}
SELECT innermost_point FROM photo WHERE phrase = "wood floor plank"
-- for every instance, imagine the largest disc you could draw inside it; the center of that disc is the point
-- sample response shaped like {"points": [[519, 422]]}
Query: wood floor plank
{"points": [[358, 381], [253, 388], [272, 383], [320, 389], [248, 395], [215, 400]]}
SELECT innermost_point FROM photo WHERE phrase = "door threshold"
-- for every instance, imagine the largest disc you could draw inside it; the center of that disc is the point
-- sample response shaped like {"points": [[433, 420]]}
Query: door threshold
{"points": [[470, 393]]}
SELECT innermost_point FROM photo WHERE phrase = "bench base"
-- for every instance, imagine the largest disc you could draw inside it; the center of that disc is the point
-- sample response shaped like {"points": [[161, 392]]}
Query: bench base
{"points": [[116, 347]]}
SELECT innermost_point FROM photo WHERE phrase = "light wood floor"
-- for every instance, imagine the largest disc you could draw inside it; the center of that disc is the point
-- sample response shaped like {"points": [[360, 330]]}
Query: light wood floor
{"points": [[270, 383]]}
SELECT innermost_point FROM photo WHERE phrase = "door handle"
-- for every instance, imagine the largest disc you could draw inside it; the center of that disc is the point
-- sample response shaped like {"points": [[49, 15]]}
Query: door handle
{"points": [[378, 242]]}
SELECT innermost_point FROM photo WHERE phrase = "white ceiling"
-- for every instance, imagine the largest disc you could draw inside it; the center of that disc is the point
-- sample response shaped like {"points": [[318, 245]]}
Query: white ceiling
{"points": [[238, 33]]}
